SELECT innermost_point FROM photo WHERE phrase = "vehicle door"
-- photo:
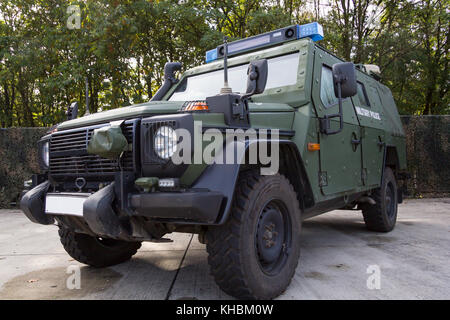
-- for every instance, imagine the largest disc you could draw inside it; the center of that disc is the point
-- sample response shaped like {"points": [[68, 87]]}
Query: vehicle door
{"points": [[369, 109], [340, 154]]}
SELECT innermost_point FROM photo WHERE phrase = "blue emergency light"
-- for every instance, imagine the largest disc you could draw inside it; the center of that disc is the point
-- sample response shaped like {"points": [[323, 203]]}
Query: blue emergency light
{"points": [[312, 30]]}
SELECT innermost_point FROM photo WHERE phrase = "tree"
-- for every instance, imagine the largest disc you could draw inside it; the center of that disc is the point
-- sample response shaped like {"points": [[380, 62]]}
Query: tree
{"points": [[122, 46]]}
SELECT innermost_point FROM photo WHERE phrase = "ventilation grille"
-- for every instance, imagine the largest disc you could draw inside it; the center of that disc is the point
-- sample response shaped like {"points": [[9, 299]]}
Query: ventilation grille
{"points": [[68, 155]]}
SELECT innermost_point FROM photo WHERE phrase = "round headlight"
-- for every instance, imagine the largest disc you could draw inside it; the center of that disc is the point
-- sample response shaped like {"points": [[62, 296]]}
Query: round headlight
{"points": [[165, 142], [45, 154]]}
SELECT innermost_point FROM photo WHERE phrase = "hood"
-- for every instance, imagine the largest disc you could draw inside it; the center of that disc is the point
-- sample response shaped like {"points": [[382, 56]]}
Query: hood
{"points": [[130, 112], [154, 108]]}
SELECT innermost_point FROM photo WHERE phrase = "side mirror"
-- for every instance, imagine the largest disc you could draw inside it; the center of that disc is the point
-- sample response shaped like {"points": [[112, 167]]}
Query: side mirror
{"points": [[256, 77], [72, 111], [344, 81], [344, 77]]}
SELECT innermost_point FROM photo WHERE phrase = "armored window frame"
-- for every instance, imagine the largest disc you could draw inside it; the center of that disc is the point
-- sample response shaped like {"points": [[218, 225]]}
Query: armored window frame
{"points": [[327, 95], [362, 94], [276, 79]]}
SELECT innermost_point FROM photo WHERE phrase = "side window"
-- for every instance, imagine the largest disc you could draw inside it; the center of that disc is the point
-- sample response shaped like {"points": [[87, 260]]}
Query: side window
{"points": [[362, 95], [326, 88], [376, 95]]}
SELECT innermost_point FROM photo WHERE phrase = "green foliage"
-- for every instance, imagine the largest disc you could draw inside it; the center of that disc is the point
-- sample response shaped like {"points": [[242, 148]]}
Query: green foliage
{"points": [[122, 46]]}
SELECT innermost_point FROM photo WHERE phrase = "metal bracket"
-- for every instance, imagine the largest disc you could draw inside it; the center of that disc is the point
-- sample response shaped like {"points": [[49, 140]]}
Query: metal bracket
{"points": [[364, 176], [323, 179]]}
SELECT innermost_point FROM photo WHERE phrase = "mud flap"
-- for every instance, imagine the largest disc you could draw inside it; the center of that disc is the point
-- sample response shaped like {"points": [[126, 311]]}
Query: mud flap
{"points": [[33, 204], [100, 216]]}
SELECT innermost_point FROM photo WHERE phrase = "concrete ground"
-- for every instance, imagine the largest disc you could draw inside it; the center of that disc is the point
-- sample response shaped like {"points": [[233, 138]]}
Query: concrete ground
{"points": [[413, 260]]}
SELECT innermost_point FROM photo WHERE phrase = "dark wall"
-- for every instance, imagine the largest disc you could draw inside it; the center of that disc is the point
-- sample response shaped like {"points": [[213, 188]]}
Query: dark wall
{"points": [[428, 154], [428, 151], [18, 160]]}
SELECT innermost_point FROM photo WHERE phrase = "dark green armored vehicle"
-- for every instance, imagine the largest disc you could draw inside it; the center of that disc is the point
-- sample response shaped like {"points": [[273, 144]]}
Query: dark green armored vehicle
{"points": [[272, 130]]}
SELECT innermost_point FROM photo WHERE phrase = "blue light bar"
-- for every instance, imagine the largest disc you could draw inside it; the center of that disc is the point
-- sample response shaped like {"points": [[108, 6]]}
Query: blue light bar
{"points": [[312, 30], [211, 55]]}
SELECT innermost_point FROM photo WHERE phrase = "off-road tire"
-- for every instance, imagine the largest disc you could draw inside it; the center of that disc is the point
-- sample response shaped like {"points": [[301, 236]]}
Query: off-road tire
{"points": [[234, 258], [382, 215], [96, 252]]}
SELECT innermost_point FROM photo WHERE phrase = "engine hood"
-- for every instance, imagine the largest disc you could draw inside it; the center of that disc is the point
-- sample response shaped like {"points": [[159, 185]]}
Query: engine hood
{"points": [[134, 111], [154, 108]]}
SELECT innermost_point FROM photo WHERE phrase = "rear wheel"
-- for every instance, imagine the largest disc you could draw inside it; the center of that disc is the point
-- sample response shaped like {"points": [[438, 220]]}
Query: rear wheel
{"points": [[95, 251], [382, 216], [255, 253]]}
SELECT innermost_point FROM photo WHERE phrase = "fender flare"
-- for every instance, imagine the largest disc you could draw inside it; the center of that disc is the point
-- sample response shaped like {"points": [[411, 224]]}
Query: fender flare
{"points": [[222, 177]]}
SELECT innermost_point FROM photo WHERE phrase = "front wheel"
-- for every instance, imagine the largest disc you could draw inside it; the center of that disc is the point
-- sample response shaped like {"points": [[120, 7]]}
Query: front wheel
{"points": [[255, 253], [95, 251], [382, 215]]}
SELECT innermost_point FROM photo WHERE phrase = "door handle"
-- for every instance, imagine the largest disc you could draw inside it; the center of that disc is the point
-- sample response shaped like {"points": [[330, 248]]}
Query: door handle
{"points": [[355, 141]]}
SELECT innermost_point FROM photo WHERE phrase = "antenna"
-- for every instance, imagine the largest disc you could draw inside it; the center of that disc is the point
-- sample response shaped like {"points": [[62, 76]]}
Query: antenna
{"points": [[87, 96], [226, 89]]}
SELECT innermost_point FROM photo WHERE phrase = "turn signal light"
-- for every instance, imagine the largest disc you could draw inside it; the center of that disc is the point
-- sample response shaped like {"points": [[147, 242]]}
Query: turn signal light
{"points": [[313, 146], [194, 106]]}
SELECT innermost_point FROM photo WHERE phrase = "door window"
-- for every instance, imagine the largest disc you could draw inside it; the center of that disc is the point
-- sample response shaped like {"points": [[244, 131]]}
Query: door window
{"points": [[362, 95], [327, 95], [376, 95]]}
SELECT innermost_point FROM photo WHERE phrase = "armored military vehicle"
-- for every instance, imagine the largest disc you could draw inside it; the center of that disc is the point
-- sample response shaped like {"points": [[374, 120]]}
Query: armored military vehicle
{"points": [[113, 179]]}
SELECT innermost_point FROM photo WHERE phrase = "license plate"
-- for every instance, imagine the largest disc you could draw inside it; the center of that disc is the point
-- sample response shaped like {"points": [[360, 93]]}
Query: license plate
{"points": [[65, 203]]}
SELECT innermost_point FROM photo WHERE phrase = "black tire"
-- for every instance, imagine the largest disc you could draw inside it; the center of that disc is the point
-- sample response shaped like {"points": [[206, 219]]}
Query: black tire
{"points": [[382, 216], [96, 252], [255, 253]]}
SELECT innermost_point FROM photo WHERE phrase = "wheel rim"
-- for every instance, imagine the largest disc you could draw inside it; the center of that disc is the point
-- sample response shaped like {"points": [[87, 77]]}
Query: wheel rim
{"points": [[390, 200], [273, 237]]}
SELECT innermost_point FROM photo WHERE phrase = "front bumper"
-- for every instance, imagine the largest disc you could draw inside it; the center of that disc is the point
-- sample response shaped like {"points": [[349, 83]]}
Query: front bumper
{"points": [[103, 216], [188, 206]]}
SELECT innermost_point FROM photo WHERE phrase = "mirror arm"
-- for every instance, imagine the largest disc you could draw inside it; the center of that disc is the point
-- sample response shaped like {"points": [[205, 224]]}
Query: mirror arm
{"points": [[247, 95], [325, 122]]}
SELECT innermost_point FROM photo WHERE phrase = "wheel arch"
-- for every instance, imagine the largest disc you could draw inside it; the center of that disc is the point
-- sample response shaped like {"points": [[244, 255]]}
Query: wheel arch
{"points": [[224, 177], [391, 158], [292, 167]]}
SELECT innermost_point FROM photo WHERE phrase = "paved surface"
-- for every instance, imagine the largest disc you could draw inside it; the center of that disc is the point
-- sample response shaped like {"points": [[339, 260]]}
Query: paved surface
{"points": [[413, 259]]}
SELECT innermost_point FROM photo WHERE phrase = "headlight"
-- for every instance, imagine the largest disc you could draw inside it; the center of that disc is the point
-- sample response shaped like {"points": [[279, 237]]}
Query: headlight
{"points": [[165, 142], [45, 154]]}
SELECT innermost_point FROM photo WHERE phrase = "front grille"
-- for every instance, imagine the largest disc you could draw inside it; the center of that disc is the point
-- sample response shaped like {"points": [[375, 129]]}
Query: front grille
{"points": [[68, 155]]}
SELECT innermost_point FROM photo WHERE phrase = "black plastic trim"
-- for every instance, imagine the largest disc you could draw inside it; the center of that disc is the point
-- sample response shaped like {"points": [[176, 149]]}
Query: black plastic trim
{"points": [[33, 204], [195, 206]]}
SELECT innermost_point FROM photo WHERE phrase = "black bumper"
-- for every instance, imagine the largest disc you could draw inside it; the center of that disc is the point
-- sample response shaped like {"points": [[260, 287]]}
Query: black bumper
{"points": [[104, 218], [188, 206], [33, 204]]}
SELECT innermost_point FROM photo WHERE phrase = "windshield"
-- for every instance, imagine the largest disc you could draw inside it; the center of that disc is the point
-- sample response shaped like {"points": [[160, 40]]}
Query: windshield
{"points": [[282, 71]]}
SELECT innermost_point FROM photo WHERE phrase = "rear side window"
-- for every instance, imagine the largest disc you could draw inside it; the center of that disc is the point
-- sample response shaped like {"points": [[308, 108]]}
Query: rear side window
{"points": [[327, 95], [362, 95], [377, 98]]}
